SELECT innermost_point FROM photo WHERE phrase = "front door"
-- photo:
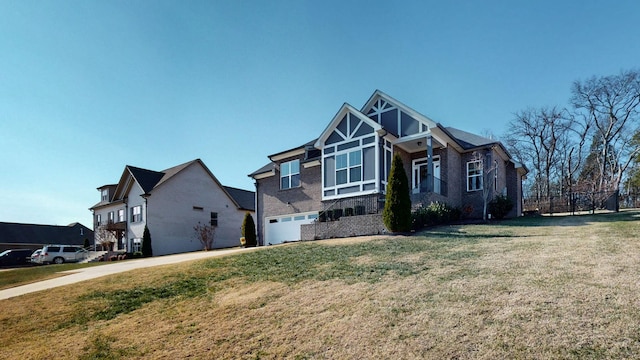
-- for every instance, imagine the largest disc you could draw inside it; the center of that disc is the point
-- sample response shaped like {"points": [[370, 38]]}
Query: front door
{"points": [[420, 175]]}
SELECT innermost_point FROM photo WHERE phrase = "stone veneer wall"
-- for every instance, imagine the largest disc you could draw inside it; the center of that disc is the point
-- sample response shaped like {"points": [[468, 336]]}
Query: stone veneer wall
{"points": [[346, 226]]}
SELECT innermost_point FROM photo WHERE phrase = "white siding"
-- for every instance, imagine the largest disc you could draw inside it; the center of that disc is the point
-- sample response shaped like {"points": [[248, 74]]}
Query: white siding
{"points": [[171, 213]]}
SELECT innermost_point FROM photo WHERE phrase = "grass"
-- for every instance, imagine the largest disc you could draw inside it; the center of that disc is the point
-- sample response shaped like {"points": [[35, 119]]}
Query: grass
{"points": [[26, 275], [552, 287]]}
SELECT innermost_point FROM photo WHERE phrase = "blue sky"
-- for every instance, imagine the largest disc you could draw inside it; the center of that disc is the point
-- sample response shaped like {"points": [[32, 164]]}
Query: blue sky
{"points": [[87, 87]]}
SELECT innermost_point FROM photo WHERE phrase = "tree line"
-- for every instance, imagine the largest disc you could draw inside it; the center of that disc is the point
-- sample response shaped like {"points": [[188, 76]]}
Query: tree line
{"points": [[590, 146]]}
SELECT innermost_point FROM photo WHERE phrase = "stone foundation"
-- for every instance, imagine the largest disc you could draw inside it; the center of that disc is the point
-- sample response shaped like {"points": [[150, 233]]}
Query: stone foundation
{"points": [[346, 226]]}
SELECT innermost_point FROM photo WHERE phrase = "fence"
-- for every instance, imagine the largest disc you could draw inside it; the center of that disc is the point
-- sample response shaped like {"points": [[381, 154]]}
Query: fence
{"points": [[357, 205], [578, 202]]}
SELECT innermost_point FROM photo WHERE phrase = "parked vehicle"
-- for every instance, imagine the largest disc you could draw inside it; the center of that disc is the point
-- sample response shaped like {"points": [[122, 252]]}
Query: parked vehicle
{"points": [[35, 255], [15, 257], [58, 254]]}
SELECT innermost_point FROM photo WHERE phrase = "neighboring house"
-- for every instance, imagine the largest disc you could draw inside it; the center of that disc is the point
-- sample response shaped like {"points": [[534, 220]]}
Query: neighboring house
{"points": [[170, 203], [344, 172], [33, 236]]}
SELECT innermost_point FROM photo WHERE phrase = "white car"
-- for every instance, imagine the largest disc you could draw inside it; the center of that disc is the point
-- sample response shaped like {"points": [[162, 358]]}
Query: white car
{"points": [[35, 255], [59, 254]]}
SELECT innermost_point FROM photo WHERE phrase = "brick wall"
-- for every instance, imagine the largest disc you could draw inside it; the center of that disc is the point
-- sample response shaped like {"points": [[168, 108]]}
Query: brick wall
{"points": [[305, 198], [344, 227]]}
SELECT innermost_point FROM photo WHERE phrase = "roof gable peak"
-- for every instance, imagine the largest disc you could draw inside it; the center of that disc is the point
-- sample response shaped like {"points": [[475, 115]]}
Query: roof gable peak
{"points": [[349, 130], [388, 102]]}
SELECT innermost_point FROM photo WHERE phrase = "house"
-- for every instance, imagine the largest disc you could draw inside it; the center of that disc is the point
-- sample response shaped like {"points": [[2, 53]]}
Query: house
{"points": [[170, 203], [343, 173], [34, 236]]}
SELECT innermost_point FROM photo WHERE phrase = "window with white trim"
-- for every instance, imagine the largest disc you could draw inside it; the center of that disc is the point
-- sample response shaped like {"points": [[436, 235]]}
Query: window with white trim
{"points": [[474, 175], [290, 174], [121, 215], [349, 161], [136, 213], [349, 167], [105, 195], [136, 245]]}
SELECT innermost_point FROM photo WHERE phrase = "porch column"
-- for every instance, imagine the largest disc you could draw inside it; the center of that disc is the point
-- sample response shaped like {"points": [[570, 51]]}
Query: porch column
{"points": [[429, 164]]}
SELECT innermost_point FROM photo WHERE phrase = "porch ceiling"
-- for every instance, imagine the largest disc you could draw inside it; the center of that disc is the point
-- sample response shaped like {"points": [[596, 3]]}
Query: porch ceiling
{"points": [[414, 144]]}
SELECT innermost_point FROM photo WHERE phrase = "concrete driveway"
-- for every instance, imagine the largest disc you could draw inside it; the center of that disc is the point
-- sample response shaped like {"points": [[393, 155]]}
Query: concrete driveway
{"points": [[94, 272]]}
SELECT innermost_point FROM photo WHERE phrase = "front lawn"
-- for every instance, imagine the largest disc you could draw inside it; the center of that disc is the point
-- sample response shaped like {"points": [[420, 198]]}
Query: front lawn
{"points": [[550, 287]]}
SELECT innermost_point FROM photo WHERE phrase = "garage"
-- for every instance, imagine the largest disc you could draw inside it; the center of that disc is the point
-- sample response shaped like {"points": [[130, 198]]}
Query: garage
{"points": [[284, 228]]}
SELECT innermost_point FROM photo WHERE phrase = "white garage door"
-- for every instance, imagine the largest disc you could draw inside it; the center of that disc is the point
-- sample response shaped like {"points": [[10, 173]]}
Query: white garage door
{"points": [[284, 228]]}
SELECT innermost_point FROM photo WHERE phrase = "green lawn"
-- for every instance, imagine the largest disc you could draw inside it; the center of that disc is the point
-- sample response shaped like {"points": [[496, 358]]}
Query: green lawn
{"points": [[547, 287]]}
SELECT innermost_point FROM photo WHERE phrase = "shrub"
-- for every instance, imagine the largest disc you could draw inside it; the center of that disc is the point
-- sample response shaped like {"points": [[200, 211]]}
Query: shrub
{"points": [[205, 233], [249, 230], [500, 206], [147, 251], [348, 211], [435, 214], [396, 214], [337, 214], [359, 209]]}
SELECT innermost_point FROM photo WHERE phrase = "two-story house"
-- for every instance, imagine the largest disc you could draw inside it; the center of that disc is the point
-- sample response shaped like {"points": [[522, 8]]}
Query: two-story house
{"points": [[343, 173], [170, 203]]}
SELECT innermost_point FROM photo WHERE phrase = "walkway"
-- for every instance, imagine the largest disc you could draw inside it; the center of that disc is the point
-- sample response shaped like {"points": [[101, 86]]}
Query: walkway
{"points": [[94, 272]]}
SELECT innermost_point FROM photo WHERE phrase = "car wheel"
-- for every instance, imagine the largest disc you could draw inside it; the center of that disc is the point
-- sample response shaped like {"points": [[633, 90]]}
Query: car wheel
{"points": [[58, 260]]}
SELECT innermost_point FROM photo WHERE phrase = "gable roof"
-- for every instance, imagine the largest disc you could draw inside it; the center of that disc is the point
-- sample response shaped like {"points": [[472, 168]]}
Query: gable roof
{"points": [[342, 112], [400, 105], [34, 234], [467, 140], [149, 180], [245, 198]]}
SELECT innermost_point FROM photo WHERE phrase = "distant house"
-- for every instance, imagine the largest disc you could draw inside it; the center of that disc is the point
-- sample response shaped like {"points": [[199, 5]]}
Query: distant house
{"points": [[342, 175], [34, 236], [170, 203]]}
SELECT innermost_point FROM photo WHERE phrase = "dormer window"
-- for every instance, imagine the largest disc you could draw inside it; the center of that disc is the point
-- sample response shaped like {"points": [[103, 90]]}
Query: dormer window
{"points": [[105, 194]]}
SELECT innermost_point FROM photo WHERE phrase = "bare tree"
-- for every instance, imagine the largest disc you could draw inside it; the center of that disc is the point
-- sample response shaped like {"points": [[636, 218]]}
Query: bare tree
{"points": [[537, 136], [104, 238], [489, 167], [205, 234], [611, 103], [573, 149]]}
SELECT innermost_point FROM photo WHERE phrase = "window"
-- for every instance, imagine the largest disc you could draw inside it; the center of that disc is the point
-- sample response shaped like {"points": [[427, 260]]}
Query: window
{"points": [[136, 213], [98, 219], [136, 245], [474, 175], [214, 219], [121, 215], [349, 167], [111, 217], [290, 174], [105, 194]]}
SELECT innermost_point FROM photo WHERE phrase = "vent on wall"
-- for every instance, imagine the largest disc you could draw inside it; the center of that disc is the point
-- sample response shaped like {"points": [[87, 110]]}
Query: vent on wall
{"points": [[198, 208]]}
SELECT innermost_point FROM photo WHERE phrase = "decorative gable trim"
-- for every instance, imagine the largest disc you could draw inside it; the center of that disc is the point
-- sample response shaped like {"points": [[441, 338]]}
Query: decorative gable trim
{"points": [[409, 111], [337, 119]]}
